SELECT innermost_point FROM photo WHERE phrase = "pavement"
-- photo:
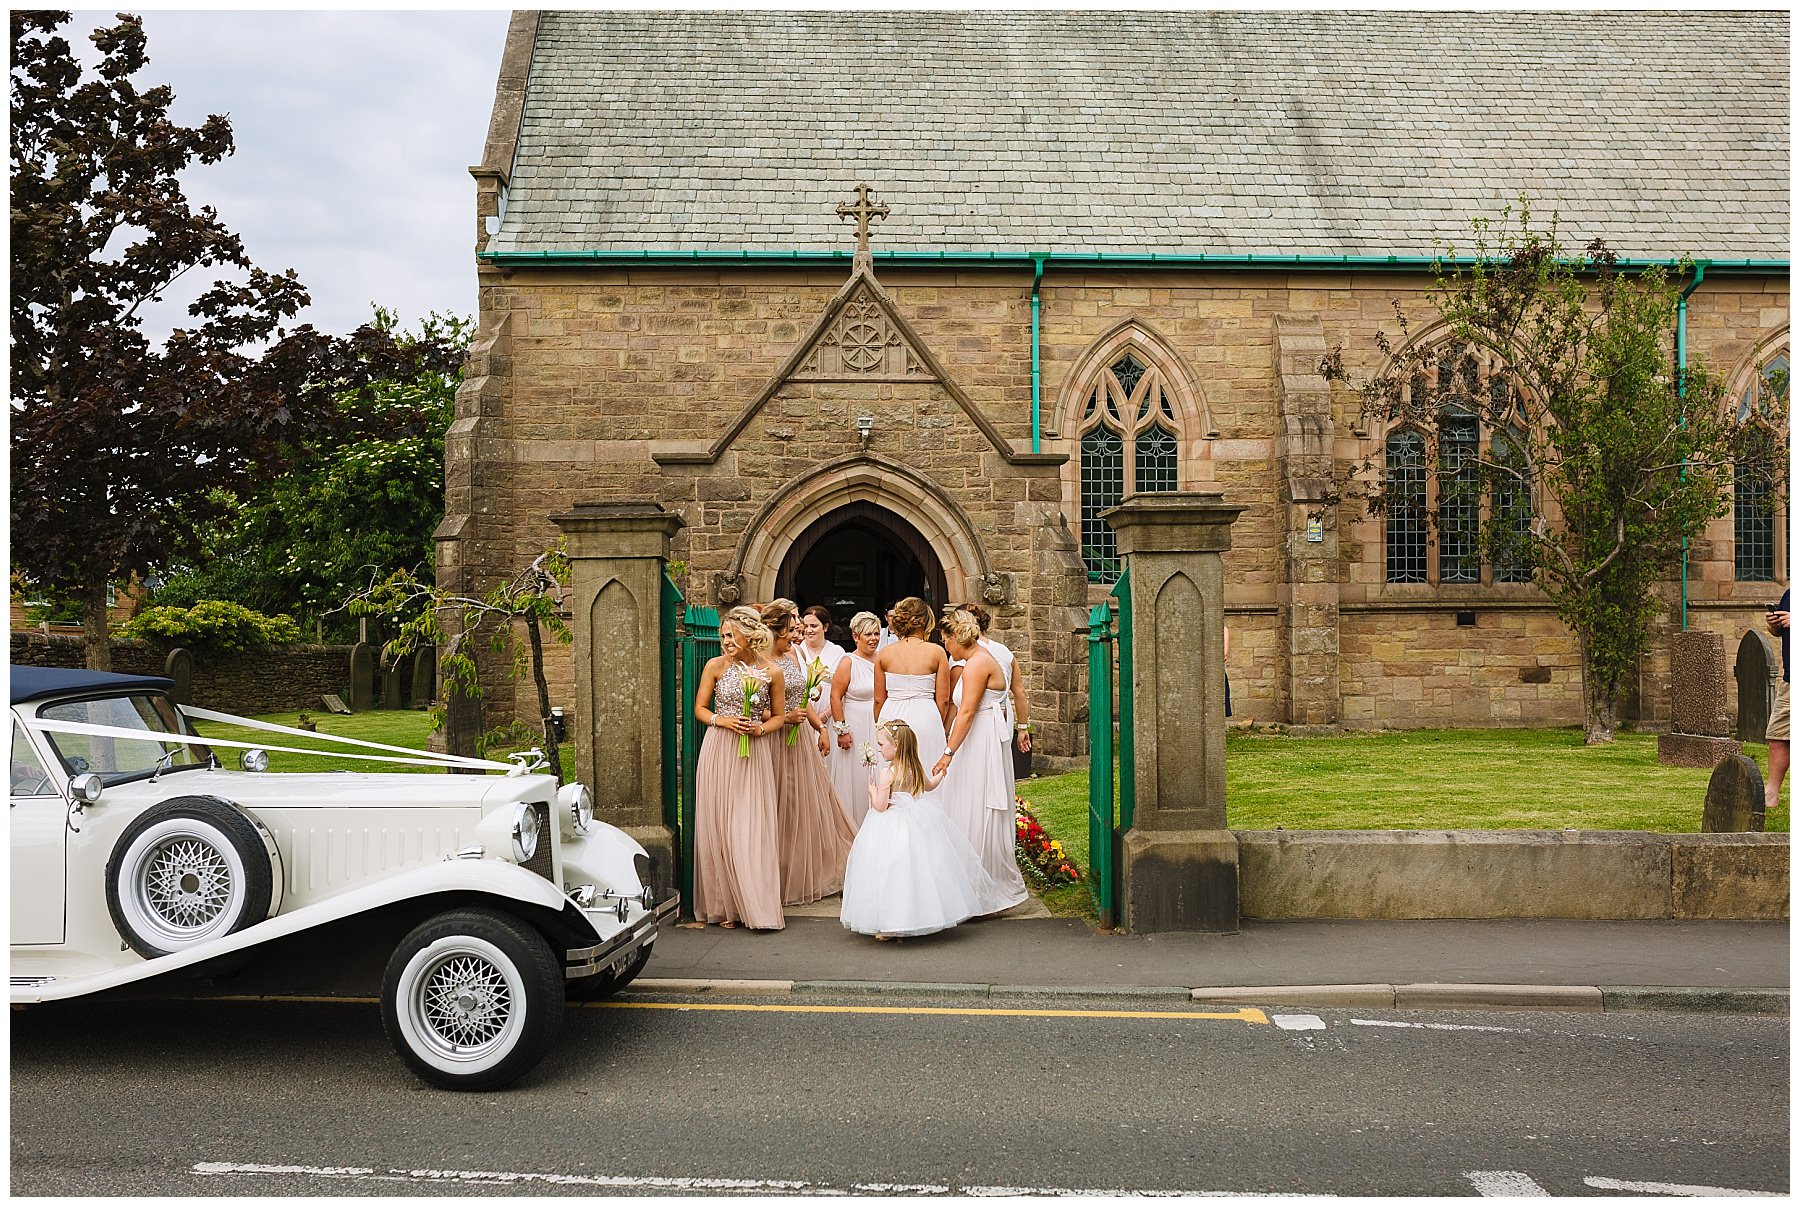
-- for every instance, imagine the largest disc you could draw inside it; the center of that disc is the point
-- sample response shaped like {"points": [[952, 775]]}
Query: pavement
{"points": [[1699, 966]]}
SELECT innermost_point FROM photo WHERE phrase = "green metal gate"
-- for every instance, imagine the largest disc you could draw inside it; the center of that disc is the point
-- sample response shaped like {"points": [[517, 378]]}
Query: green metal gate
{"points": [[699, 644], [1109, 813]]}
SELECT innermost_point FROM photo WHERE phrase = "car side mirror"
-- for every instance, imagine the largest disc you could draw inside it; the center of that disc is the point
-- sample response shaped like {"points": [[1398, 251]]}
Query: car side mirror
{"points": [[86, 788]]}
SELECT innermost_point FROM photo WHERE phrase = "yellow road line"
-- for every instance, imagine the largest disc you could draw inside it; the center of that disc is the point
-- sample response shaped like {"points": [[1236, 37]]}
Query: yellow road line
{"points": [[1246, 1015]]}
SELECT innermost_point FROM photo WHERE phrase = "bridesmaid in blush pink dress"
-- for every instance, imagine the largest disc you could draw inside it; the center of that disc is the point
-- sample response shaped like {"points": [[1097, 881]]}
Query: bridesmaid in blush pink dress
{"points": [[737, 871], [814, 832]]}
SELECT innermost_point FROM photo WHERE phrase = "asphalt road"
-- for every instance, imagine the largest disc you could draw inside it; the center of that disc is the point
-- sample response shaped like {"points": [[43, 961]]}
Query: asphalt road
{"points": [[289, 1098]]}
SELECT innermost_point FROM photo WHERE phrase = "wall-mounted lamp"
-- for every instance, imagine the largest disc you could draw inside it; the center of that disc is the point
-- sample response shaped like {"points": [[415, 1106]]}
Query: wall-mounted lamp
{"points": [[559, 725], [865, 427]]}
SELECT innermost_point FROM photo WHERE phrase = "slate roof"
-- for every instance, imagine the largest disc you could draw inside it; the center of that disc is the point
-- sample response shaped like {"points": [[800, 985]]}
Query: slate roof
{"points": [[1306, 133]]}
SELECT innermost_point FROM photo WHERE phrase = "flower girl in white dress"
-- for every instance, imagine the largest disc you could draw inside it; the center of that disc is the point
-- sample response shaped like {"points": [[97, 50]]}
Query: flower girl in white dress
{"points": [[910, 872]]}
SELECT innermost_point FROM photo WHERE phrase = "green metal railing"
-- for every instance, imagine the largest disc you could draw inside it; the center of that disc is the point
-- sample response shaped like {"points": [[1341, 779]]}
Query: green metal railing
{"points": [[1110, 810], [1127, 731], [699, 643], [1101, 881]]}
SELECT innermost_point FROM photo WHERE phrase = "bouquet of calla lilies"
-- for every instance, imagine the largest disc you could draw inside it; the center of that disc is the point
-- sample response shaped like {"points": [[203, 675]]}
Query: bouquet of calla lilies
{"points": [[752, 705], [815, 675]]}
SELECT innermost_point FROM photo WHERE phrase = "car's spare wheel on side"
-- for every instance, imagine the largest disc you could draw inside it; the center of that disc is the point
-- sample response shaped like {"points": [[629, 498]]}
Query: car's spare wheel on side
{"points": [[188, 870]]}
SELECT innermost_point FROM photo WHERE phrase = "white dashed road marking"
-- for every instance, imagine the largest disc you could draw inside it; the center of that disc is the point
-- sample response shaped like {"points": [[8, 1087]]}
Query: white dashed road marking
{"points": [[1298, 1022], [1384, 1022], [1505, 1184], [1688, 1192], [477, 1177]]}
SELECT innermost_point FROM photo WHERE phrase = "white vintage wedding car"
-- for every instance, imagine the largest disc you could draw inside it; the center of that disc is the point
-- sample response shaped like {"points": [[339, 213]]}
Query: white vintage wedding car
{"points": [[472, 903]]}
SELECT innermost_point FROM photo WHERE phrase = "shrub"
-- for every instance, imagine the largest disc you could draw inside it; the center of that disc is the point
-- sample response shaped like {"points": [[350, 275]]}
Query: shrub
{"points": [[211, 628]]}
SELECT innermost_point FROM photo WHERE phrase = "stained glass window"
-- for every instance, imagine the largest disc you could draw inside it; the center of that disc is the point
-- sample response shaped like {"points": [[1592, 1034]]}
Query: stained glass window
{"points": [[1130, 440], [1459, 498], [1405, 490], [1512, 511], [1129, 372], [1753, 493], [1102, 486], [1156, 459]]}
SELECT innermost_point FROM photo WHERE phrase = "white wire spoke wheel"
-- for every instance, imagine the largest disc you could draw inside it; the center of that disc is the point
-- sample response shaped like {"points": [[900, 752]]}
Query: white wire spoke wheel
{"points": [[472, 999], [186, 871]]}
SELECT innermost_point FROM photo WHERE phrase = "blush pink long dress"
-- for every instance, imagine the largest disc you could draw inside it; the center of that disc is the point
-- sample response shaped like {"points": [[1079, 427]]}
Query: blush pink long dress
{"points": [[737, 869], [814, 831]]}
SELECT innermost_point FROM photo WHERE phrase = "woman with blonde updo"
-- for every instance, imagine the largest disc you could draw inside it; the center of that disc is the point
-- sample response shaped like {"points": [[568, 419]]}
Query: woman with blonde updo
{"points": [[814, 830], [737, 871], [912, 678], [853, 718], [977, 789]]}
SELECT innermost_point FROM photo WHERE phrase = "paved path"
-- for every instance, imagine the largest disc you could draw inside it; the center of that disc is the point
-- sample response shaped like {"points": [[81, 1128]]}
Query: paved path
{"points": [[740, 1096], [1065, 952]]}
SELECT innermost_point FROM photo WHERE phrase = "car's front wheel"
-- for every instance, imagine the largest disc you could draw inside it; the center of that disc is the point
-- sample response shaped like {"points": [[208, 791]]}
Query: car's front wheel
{"points": [[472, 999]]}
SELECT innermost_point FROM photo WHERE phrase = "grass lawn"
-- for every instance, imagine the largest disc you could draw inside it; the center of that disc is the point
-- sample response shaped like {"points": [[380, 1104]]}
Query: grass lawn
{"points": [[1431, 779], [1426, 779], [399, 727]]}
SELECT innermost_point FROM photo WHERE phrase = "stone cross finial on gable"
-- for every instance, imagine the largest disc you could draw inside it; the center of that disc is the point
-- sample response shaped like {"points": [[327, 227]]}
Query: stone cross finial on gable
{"points": [[862, 211]]}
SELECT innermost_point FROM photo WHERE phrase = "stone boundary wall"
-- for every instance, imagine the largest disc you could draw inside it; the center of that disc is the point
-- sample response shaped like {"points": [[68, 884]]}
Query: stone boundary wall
{"points": [[282, 679], [1511, 874]]}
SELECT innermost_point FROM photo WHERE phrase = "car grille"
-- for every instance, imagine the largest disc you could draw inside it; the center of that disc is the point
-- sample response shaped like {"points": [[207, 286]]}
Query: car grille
{"points": [[543, 861]]}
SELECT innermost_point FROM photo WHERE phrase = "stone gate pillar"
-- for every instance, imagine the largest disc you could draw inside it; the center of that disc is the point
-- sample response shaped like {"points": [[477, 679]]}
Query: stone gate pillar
{"points": [[616, 553], [1180, 866]]}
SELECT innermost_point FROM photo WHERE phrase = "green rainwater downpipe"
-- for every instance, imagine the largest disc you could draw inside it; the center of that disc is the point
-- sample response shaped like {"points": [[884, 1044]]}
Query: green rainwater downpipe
{"points": [[1681, 392], [1037, 380]]}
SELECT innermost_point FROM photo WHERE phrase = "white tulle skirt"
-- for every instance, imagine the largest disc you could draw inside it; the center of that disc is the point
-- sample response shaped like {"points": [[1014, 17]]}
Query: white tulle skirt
{"points": [[911, 873]]}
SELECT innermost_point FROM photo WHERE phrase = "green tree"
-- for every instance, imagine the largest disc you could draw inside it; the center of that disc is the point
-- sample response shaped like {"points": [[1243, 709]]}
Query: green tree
{"points": [[1607, 457], [424, 615], [122, 449], [362, 497]]}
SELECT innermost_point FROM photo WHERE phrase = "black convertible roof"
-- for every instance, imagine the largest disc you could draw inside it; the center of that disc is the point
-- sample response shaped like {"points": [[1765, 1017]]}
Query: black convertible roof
{"points": [[36, 682]]}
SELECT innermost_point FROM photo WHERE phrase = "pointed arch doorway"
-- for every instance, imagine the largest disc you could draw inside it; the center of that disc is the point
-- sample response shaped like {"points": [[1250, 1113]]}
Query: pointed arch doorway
{"points": [[860, 557]]}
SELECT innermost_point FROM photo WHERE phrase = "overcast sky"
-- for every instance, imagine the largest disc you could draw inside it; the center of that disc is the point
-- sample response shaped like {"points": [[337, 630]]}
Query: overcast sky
{"points": [[355, 132]]}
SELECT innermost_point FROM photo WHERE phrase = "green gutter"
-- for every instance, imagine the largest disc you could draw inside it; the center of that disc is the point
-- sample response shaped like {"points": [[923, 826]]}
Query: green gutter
{"points": [[1032, 260], [1037, 382], [1681, 392]]}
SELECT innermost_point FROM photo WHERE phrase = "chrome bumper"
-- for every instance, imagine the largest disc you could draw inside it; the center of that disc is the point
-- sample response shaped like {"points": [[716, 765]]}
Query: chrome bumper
{"points": [[581, 962]]}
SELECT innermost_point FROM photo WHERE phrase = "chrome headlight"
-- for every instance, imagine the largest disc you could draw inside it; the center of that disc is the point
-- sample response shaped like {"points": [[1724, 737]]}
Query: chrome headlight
{"points": [[525, 833], [256, 760], [577, 805]]}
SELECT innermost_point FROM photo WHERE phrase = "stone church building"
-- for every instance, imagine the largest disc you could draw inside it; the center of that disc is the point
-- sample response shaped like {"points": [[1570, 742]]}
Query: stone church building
{"points": [[1101, 252]]}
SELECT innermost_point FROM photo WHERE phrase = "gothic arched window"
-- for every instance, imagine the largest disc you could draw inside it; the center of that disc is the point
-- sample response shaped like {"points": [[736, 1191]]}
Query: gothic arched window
{"points": [[1405, 491], [1463, 395], [1753, 479], [1128, 441]]}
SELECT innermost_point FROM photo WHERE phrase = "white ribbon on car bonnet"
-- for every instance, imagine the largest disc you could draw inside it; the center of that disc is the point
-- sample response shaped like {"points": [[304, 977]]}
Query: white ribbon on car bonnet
{"points": [[422, 758]]}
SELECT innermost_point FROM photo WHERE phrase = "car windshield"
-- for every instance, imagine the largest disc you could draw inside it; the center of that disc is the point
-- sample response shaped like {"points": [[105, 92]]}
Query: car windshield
{"points": [[117, 759]]}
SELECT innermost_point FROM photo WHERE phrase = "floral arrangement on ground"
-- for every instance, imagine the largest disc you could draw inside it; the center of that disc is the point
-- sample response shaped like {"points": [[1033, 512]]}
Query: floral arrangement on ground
{"points": [[1041, 857]]}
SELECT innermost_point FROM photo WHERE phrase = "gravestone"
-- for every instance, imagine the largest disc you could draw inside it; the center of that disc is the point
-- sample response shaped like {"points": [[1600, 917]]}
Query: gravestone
{"points": [[334, 704], [395, 682], [1700, 726], [179, 666], [1755, 672], [362, 677], [424, 678], [1734, 798]]}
